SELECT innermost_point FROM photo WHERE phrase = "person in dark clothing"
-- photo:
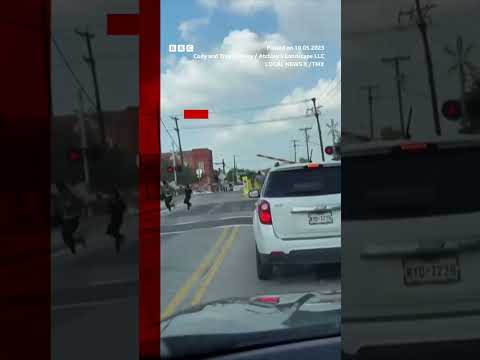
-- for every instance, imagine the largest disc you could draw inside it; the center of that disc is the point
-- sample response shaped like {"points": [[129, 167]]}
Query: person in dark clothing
{"points": [[167, 195], [70, 208], [188, 196], [117, 208]]}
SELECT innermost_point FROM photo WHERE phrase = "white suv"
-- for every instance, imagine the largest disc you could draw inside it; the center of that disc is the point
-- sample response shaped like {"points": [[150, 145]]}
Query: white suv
{"points": [[298, 216], [410, 245]]}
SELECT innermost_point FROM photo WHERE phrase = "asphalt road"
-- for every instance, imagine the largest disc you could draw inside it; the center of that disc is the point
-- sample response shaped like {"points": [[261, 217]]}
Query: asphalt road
{"points": [[207, 253]]}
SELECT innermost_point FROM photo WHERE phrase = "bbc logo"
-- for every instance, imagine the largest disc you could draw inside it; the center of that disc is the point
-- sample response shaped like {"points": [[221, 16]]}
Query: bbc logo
{"points": [[180, 48]]}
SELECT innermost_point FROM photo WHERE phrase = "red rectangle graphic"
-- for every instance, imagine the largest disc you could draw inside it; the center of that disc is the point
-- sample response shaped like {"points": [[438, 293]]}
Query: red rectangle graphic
{"points": [[195, 114], [122, 24]]}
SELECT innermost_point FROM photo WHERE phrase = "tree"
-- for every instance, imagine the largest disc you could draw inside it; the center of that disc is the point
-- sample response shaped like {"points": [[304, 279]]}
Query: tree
{"points": [[336, 149], [473, 108], [240, 172]]}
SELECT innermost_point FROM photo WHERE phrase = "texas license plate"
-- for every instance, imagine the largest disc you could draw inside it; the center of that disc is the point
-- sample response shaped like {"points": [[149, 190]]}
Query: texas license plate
{"points": [[419, 271], [323, 218]]}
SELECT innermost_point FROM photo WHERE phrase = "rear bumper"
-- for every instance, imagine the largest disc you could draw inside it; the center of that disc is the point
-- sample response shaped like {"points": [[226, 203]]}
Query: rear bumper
{"points": [[301, 251], [420, 336], [310, 256]]}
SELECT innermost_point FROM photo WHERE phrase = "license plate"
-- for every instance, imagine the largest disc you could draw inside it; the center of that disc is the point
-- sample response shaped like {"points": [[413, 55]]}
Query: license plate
{"points": [[419, 271], [324, 218]]}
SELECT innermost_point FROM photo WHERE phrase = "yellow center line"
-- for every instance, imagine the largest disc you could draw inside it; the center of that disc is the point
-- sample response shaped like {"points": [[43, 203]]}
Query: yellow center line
{"points": [[185, 289], [202, 289]]}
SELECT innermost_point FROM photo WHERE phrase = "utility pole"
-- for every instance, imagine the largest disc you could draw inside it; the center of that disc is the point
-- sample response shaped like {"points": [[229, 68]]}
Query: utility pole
{"points": [[461, 62], [370, 89], [306, 141], [295, 149], [174, 118], [174, 163], [234, 171], [319, 129], [221, 163], [83, 135], [398, 77], [408, 135], [88, 36], [421, 15]]}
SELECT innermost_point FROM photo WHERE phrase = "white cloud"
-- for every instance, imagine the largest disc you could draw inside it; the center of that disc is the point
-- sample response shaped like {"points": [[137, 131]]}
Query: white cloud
{"points": [[209, 4], [201, 83], [300, 20], [243, 7], [187, 28], [328, 95]]}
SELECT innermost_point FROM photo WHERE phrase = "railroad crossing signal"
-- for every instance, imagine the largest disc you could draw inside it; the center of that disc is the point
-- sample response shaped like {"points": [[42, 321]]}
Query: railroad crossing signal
{"points": [[452, 110], [75, 154]]}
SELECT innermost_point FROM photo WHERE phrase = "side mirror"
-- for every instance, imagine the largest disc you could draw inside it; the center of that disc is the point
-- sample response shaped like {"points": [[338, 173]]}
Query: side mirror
{"points": [[253, 194]]}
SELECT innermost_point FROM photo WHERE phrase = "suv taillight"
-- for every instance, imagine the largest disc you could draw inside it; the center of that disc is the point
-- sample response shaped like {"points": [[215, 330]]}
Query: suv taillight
{"points": [[264, 214]]}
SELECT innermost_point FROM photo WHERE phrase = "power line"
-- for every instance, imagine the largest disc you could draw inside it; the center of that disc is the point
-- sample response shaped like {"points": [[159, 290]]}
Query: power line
{"points": [[243, 124], [69, 67], [260, 107]]}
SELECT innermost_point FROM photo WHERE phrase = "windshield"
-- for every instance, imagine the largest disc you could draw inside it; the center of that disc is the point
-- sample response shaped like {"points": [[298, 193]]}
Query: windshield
{"points": [[430, 179], [232, 116], [304, 182]]}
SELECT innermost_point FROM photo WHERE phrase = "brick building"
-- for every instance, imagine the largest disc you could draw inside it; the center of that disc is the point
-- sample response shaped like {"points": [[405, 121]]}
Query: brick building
{"points": [[121, 130], [195, 159]]}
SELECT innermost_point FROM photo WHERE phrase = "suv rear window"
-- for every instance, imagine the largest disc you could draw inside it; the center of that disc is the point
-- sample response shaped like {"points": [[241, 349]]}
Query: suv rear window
{"points": [[304, 182], [411, 184]]}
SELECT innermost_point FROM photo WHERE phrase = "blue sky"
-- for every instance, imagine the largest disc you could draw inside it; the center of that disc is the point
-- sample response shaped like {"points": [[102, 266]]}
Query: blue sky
{"points": [[238, 26]]}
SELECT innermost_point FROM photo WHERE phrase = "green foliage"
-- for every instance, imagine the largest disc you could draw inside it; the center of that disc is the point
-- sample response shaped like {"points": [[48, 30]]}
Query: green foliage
{"points": [[240, 172]]}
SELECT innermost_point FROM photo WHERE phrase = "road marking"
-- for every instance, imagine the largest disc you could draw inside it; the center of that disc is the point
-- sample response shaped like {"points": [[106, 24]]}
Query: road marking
{"points": [[92, 303], [187, 286], [237, 217], [111, 282], [214, 208], [202, 289], [204, 228]]}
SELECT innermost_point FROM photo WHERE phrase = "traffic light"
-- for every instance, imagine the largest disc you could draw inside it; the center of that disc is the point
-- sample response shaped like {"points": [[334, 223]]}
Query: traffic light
{"points": [[74, 154], [329, 150], [170, 169], [452, 110]]}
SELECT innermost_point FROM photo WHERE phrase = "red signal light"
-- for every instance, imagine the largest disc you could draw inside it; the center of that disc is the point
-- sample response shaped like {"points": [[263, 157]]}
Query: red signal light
{"points": [[329, 150], [452, 109], [74, 155]]}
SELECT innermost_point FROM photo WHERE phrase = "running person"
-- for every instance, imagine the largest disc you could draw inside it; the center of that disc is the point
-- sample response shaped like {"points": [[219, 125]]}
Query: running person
{"points": [[168, 195], [188, 196], [117, 209], [70, 211]]}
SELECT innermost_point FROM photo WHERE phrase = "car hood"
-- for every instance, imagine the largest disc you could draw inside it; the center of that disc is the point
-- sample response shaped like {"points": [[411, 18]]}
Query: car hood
{"points": [[256, 314]]}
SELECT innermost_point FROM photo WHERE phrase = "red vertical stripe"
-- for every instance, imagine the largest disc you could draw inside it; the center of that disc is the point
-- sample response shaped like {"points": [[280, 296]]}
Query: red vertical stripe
{"points": [[25, 179], [149, 144]]}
